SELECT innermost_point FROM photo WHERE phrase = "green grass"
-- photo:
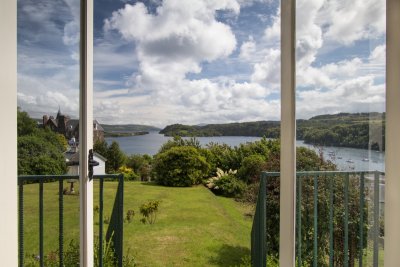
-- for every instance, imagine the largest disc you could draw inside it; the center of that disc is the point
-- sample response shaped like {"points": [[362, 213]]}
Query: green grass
{"points": [[193, 227]]}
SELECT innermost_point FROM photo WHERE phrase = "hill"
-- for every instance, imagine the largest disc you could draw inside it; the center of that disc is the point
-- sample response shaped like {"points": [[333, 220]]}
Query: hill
{"points": [[128, 128], [358, 130]]}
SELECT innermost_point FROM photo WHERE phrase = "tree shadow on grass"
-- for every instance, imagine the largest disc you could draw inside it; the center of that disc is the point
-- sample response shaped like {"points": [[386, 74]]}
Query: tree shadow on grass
{"points": [[228, 255]]}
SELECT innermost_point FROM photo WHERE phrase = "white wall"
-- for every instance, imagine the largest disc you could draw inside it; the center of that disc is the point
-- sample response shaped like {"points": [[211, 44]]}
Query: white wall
{"points": [[8, 133], [97, 170]]}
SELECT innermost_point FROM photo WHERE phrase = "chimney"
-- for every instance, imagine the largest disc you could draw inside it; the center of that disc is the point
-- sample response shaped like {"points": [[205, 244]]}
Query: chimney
{"points": [[45, 119]]}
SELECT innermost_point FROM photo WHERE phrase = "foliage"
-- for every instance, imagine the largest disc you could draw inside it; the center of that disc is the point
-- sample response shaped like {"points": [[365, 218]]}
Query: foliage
{"points": [[149, 211], [177, 141], [358, 130], [72, 258], [180, 166], [25, 125], [226, 184], [101, 147], [141, 164], [129, 215], [115, 158], [114, 155], [251, 168], [40, 151], [38, 156], [221, 156], [129, 174]]}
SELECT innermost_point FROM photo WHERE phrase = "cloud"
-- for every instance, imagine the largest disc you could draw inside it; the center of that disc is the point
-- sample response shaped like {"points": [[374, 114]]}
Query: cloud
{"points": [[349, 21], [182, 61], [175, 40]]}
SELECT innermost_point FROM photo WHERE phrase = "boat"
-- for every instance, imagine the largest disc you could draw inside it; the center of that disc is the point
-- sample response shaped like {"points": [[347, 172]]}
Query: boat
{"points": [[349, 161], [365, 159], [339, 157]]}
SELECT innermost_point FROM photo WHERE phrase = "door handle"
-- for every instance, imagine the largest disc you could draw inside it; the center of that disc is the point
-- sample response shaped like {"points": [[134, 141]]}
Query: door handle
{"points": [[91, 163]]}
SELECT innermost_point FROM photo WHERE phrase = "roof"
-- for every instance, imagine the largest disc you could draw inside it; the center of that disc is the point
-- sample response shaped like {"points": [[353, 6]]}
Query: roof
{"points": [[99, 127], [75, 123], [73, 157]]}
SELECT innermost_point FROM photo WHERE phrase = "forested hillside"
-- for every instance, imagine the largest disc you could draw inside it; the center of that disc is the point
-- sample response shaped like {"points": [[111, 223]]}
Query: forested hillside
{"points": [[358, 130]]}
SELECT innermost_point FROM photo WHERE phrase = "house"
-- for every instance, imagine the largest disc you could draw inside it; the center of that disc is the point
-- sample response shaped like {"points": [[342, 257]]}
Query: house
{"points": [[68, 127], [72, 159]]}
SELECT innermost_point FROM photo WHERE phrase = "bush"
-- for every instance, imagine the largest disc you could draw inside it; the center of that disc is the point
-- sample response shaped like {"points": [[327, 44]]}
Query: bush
{"points": [[251, 168], [141, 164], [129, 174], [180, 166], [149, 211], [226, 184]]}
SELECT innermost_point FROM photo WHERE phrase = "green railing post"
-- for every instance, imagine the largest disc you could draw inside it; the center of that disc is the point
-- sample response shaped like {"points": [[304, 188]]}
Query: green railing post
{"points": [[258, 242], [346, 220], [41, 253], [101, 202], [299, 239], [331, 252], [362, 199], [121, 219], [315, 249], [376, 219], [61, 222], [21, 222], [344, 177]]}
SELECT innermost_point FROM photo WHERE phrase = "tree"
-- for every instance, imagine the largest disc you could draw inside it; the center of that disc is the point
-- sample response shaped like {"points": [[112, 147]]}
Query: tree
{"points": [[25, 125], [40, 151], [180, 166], [101, 147], [37, 156], [115, 158]]}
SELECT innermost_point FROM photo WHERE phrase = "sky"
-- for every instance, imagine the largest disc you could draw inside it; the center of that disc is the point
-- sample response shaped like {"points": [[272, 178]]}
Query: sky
{"points": [[159, 62]]}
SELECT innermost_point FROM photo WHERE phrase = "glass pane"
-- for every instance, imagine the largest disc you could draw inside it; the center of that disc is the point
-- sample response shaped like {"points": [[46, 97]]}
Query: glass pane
{"points": [[48, 116], [203, 69], [340, 100]]}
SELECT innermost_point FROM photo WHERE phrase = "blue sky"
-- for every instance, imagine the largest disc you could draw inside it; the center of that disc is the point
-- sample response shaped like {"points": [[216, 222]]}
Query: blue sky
{"points": [[201, 61]]}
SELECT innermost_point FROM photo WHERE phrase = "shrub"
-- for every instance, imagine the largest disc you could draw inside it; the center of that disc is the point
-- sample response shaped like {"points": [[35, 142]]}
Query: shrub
{"points": [[149, 211], [180, 166], [129, 174], [129, 215], [251, 168], [226, 184]]}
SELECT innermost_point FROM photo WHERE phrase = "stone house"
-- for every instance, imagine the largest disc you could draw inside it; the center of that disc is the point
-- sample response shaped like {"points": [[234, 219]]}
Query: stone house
{"points": [[68, 127]]}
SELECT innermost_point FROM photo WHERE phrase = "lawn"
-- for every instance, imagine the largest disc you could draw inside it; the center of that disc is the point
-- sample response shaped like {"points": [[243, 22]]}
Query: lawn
{"points": [[193, 227]]}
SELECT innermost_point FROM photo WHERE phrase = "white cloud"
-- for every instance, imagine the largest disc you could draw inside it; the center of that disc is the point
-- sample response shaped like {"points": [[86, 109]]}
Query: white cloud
{"points": [[349, 21], [71, 28], [177, 39], [160, 62], [272, 33]]}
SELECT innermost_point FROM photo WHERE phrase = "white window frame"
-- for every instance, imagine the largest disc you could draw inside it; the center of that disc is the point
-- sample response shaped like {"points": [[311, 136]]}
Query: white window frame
{"points": [[86, 133], [8, 134], [392, 156], [288, 134]]}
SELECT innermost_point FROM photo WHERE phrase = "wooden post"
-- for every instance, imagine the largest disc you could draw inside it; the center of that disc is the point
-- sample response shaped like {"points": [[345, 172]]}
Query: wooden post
{"points": [[288, 136], [392, 183]]}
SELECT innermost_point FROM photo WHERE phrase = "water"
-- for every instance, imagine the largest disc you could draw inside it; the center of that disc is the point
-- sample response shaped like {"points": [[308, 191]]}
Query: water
{"points": [[346, 159]]}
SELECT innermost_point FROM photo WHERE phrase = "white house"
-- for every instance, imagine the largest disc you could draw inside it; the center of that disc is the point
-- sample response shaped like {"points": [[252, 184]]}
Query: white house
{"points": [[72, 159]]}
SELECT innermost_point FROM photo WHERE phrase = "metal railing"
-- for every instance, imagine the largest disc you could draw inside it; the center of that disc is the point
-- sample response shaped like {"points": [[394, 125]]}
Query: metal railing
{"points": [[329, 202], [115, 228], [258, 240]]}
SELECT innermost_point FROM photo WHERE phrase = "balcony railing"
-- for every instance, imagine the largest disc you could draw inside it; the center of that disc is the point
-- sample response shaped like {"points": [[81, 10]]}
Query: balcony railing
{"points": [[333, 224], [115, 229]]}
